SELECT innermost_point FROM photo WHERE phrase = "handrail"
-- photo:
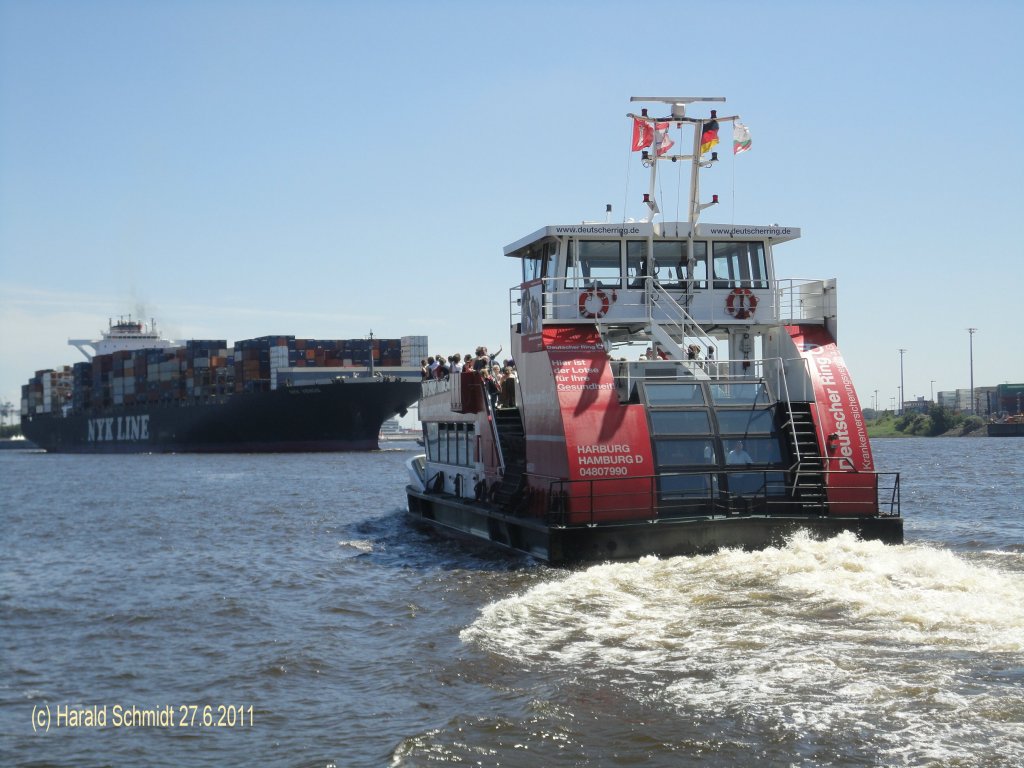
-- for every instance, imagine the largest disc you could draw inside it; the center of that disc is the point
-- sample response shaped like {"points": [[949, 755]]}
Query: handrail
{"points": [[715, 501]]}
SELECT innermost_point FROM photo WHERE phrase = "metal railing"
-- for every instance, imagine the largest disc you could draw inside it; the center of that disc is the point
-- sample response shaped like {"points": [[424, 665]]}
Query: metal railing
{"points": [[725, 493]]}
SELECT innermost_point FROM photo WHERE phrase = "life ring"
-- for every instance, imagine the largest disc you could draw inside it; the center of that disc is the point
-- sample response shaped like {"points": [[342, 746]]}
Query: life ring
{"points": [[747, 303], [599, 295]]}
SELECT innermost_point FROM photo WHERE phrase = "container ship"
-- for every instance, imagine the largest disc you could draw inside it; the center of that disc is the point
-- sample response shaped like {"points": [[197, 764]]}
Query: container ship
{"points": [[140, 393], [671, 394]]}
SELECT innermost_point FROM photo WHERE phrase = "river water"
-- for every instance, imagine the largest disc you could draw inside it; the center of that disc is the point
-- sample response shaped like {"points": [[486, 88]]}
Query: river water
{"points": [[285, 598]]}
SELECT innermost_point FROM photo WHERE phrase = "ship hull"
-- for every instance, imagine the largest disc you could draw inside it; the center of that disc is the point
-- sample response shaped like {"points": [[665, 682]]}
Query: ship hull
{"points": [[342, 416], [1009, 429], [666, 537]]}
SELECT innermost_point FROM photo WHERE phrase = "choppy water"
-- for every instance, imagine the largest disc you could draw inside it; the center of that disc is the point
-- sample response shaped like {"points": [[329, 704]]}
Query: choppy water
{"points": [[292, 585]]}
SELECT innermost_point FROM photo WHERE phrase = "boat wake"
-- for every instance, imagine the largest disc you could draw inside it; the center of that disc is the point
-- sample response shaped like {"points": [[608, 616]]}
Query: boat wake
{"points": [[914, 650]]}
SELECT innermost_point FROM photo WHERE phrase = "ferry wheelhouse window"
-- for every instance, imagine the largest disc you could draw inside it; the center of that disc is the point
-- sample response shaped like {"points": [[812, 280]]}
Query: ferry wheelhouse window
{"points": [[669, 264], [597, 263], [538, 260], [739, 265]]}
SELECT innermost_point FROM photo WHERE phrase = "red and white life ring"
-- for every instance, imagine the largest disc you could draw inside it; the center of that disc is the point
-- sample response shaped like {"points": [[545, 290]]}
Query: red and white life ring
{"points": [[741, 303], [589, 297]]}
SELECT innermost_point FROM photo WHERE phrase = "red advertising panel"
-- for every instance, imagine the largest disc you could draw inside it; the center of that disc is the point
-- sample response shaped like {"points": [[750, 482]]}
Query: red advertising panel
{"points": [[840, 422], [607, 443]]}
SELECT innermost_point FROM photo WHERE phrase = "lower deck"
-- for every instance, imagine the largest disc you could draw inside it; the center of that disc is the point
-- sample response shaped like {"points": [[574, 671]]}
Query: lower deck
{"points": [[552, 541]]}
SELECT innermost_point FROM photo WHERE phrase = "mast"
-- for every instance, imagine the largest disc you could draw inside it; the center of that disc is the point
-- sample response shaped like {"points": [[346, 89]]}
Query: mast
{"points": [[650, 159]]}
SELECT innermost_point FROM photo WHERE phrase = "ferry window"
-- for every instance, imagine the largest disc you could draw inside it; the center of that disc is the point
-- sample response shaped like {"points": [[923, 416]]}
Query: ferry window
{"points": [[599, 263], [694, 422], [747, 421], [762, 450], [740, 393], [460, 445], [674, 394], [551, 259], [636, 263], [700, 265], [739, 265], [432, 440], [531, 269], [679, 485], [684, 452]]}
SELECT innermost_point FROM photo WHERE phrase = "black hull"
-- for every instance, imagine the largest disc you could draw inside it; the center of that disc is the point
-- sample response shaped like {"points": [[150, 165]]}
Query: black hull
{"points": [[333, 417], [668, 537], [1006, 430]]}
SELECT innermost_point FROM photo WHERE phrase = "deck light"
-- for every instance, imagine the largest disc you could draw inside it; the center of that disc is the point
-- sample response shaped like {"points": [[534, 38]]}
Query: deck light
{"points": [[714, 199]]}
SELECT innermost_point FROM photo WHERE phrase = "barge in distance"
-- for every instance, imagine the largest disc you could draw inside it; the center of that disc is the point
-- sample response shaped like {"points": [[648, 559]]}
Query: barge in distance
{"points": [[674, 394], [140, 393]]}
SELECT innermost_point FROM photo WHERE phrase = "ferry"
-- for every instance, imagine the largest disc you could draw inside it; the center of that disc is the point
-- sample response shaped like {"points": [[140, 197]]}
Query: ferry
{"points": [[672, 394]]}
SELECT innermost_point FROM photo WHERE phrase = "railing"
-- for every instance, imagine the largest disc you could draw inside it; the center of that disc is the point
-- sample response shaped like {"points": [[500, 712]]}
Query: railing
{"points": [[805, 301], [725, 493]]}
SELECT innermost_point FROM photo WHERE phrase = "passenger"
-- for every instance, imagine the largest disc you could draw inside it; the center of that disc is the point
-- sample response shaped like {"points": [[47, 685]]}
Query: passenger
{"points": [[442, 369], [432, 362], [491, 386], [649, 354], [509, 384], [424, 370], [738, 455], [455, 363]]}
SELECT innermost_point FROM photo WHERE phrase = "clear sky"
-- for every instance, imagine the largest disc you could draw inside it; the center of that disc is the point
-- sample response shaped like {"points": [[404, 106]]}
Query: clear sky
{"points": [[324, 169]]}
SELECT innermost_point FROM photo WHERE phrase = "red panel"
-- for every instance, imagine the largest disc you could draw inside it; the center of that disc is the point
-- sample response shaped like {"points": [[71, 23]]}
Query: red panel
{"points": [[606, 443], [840, 420]]}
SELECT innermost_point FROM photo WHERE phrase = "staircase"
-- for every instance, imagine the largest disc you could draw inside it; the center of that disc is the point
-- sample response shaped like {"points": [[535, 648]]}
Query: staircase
{"points": [[807, 476], [508, 424]]}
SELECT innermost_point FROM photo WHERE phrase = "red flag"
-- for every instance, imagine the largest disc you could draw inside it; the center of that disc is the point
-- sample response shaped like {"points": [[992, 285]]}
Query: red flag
{"points": [[643, 134]]}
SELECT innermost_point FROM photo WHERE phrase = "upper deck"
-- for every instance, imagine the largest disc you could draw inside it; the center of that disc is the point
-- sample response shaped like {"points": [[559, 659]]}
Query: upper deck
{"points": [[633, 273]]}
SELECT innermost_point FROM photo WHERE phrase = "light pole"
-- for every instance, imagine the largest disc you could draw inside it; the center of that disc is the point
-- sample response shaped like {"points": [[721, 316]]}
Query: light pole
{"points": [[902, 390], [933, 391], [971, 331], [876, 406]]}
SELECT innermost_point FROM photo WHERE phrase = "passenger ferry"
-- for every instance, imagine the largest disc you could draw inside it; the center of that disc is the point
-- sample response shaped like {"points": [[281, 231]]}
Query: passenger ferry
{"points": [[674, 395]]}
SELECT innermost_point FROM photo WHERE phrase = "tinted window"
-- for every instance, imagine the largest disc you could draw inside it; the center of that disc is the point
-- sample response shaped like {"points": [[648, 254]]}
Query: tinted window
{"points": [[684, 452], [746, 422], [739, 393], [674, 394], [680, 422]]}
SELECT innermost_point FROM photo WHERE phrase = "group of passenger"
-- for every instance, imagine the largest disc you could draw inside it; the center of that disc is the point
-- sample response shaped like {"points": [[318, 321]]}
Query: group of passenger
{"points": [[496, 376]]}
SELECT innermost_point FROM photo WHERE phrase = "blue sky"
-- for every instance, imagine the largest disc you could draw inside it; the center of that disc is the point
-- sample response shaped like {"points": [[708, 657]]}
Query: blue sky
{"points": [[236, 169]]}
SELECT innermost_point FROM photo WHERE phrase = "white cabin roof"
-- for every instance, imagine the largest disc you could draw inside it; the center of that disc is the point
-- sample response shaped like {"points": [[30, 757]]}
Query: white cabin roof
{"points": [[670, 229]]}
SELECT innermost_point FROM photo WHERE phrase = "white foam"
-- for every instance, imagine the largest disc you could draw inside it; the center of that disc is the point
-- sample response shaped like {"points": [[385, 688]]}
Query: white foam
{"points": [[813, 637]]}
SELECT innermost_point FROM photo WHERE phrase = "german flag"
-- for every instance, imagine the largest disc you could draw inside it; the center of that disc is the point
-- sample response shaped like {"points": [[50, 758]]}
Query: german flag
{"points": [[709, 137]]}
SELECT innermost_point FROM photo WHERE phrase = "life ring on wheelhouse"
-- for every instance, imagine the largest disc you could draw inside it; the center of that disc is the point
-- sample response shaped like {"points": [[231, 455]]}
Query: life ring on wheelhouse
{"points": [[741, 303], [592, 296]]}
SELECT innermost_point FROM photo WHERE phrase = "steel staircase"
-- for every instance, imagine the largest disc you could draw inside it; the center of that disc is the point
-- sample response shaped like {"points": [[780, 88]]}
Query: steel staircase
{"points": [[508, 424], [807, 475]]}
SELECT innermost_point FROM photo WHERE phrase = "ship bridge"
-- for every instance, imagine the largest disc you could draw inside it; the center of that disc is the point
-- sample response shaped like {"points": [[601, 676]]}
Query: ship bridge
{"points": [[664, 284]]}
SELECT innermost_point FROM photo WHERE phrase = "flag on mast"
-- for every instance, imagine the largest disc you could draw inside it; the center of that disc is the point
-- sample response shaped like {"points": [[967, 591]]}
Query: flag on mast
{"points": [[662, 141], [643, 134], [709, 137], [740, 138], [646, 133]]}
